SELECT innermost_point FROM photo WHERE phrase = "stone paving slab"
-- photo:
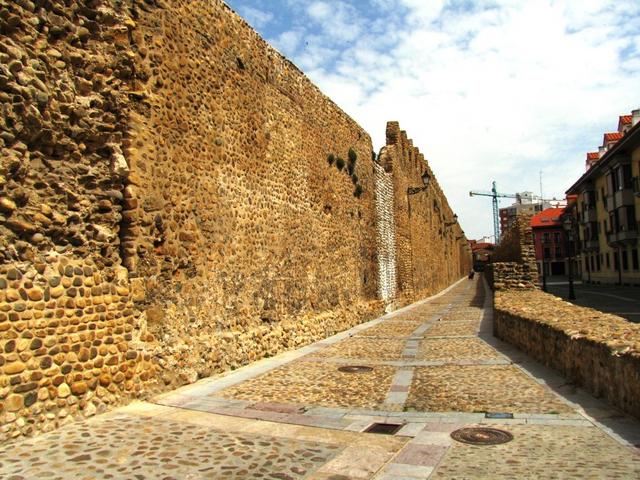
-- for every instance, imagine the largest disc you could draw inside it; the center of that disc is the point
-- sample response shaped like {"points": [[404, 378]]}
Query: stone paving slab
{"points": [[458, 328], [456, 349], [138, 447], [567, 452], [316, 384], [480, 388], [392, 329], [364, 348]]}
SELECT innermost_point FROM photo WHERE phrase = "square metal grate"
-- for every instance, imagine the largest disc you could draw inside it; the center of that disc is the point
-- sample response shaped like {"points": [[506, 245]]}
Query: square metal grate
{"points": [[383, 428]]}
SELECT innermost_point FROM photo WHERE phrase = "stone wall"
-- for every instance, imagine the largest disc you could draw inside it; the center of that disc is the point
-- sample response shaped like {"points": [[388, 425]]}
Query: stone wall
{"points": [[514, 261], [69, 343], [253, 219], [598, 351], [509, 276], [178, 199], [432, 251]]}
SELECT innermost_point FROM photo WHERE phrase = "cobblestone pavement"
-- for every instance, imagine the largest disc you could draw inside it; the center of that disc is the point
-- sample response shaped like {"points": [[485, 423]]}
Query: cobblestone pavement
{"points": [[428, 369]]}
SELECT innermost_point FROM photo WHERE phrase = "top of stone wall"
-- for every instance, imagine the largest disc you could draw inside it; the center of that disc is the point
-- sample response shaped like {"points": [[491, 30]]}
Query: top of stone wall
{"points": [[618, 334], [410, 154], [289, 64]]}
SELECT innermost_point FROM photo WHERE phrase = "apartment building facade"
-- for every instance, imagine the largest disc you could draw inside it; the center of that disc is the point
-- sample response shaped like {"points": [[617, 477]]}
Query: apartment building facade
{"points": [[608, 207]]}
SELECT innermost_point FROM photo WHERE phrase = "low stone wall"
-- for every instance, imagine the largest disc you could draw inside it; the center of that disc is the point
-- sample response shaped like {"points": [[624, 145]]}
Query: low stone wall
{"points": [[510, 276], [598, 351]]}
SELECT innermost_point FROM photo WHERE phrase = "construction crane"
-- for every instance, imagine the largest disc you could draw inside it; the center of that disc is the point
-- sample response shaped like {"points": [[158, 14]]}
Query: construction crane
{"points": [[494, 194]]}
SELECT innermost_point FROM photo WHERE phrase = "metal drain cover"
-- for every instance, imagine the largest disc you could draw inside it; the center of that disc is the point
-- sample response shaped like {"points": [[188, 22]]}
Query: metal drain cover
{"points": [[355, 369], [383, 428], [481, 436]]}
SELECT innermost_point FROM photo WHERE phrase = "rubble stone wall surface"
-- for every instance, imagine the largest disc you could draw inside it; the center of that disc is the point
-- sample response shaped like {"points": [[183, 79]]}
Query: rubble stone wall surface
{"points": [[177, 199], [68, 338], [431, 250], [598, 351], [248, 227], [514, 261]]}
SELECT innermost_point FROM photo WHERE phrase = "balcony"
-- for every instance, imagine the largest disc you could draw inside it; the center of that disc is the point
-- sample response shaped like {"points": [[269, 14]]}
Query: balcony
{"points": [[624, 197], [623, 236]]}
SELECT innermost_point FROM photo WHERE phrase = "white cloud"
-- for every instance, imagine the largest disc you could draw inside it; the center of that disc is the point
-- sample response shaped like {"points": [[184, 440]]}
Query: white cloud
{"points": [[288, 42], [256, 18]]}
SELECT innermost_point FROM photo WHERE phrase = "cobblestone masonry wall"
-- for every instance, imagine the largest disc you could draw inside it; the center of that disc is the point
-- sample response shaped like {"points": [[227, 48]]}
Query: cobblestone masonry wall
{"points": [[68, 343], [386, 226], [248, 238], [514, 264], [431, 248], [177, 199], [598, 351]]}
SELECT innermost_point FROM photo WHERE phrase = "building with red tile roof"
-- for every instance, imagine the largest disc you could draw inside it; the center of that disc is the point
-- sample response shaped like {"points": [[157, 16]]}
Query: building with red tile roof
{"points": [[625, 122], [550, 242]]}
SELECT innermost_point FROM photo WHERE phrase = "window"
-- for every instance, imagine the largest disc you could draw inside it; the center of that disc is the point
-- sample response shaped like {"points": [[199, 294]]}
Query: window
{"points": [[634, 259], [598, 262], [556, 237], [616, 261], [630, 214], [586, 264], [547, 252], [545, 237], [592, 263], [625, 260], [608, 262], [558, 252]]}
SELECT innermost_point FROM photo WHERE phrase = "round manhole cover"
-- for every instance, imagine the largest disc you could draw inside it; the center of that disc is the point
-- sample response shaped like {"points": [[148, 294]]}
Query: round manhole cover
{"points": [[355, 369], [482, 436]]}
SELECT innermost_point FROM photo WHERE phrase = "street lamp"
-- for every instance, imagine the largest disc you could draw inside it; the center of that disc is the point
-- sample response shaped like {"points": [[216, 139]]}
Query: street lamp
{"points": [[542, 263], [568, 226], [426, 178]]}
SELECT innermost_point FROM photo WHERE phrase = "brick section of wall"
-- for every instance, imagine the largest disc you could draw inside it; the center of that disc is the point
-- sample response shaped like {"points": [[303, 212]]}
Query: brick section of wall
{"points": [[386, 227], [595, 350], [432, 251], [509, 276]]}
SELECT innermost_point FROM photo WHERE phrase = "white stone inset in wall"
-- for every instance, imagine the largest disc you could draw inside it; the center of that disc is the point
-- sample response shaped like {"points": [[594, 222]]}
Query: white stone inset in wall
{"points": [[386, 227]]}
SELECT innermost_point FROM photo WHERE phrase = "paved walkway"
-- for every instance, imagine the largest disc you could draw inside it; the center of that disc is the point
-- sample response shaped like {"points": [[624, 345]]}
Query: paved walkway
{"points": [[428, 369]]}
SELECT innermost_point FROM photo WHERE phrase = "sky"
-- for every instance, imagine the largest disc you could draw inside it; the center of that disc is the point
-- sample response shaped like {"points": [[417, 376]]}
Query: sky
{"points": [[505, 90]]}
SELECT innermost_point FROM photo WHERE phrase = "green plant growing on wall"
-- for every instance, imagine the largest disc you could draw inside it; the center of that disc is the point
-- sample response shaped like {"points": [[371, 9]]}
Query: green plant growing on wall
{"points": [[340, 163], [331, 158], [351, 165]]}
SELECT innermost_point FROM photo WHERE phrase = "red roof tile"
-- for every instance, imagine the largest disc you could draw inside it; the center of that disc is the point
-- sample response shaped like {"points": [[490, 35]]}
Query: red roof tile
{"points": [[593, 156], [612, 137], [547, 218], [625, 119]]}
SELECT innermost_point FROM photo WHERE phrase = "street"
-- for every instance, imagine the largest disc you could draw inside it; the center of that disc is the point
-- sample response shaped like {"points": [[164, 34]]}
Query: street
{"points": [[619, 300]]}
